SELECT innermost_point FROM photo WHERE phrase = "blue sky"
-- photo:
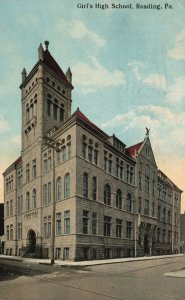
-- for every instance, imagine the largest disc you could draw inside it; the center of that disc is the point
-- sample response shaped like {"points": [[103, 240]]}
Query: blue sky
{"points": [[128, 70]]}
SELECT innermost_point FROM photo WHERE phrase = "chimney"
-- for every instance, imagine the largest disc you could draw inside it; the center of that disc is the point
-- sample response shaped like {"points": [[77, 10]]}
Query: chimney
{"points": [[41, 52], [69, 75], [23, 74], [46, 44]]}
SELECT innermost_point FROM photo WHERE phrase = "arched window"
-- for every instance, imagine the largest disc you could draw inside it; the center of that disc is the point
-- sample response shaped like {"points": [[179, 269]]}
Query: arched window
{"points": [[107, 194], [7, 209], [94, 188], [85, 185], [58, 189], [129, 202], [34, 198], [27, 201], [11, 207], [119, 199], [67, 186]]}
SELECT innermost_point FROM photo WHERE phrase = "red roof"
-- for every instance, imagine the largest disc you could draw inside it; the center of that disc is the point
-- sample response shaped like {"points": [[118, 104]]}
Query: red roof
{"points": [[132, 150], [50, 62], [79, 114]]}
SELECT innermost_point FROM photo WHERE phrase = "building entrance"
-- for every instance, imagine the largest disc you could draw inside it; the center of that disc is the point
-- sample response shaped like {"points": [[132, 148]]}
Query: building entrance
{"points": [[146, 244], [32, 241]]}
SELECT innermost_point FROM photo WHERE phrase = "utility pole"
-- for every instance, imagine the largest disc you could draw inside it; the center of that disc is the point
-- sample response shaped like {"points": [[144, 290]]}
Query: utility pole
{"points": [[55, 146]]}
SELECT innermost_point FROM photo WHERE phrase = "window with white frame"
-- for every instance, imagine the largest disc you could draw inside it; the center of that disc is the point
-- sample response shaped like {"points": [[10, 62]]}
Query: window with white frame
{"points": [[67, 222]]}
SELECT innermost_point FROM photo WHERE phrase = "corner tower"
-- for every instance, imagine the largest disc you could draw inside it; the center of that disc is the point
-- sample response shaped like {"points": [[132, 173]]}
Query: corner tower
{"points": [[46, 97]]}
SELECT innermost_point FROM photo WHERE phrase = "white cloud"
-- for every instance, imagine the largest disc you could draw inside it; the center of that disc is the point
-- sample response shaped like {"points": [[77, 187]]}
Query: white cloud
{"points": [[155, 80], [178, 52], [96, 76], [176, 91], [15, 140], [181, 36], [136, 66], [79, 30], [167, 127], [4, 126]]}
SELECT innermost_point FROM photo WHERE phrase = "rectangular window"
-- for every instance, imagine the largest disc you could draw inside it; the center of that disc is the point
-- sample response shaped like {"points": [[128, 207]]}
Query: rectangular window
{"points": [[67, 222], [66, 253], [158, 234], [49, 192], [58, 223], [45, 226], [19, 231], [146, 208], [164, 235], [58, 253], [118, 228], [121, 173], [69, 150], [90, 153], [129, 230], [107, 226], [11, 232], [49, 225], [64, 154], [61, 114], [45, 163], [84, 150], [7, 233], [96, 157], [130, 174], [147, 184], [19, 204], [140, 177], [105, 164], [169, 236], [139, 207], [45, 194], [85, 221], [94, 223], [49, 108], [94, 191], [55, 111], [110, 166], [27, 172], [34, 171], [153, 209], [49, 161]]}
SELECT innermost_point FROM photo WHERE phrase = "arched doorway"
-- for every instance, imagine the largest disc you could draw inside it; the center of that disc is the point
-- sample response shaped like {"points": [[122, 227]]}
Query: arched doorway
{"points": [[146, 244], [32, 241]]}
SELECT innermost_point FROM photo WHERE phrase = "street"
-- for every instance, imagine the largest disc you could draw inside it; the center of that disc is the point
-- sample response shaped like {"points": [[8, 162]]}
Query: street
{"points": [[140, 280]]}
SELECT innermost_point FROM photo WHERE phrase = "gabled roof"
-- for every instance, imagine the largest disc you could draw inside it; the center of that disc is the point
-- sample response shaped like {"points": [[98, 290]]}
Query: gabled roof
{"points": [[132, 150], [51, 63], [81, 116]]}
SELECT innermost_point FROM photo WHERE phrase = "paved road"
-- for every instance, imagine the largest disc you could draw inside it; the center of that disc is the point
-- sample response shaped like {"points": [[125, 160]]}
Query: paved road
{"points": [[142, 280]]}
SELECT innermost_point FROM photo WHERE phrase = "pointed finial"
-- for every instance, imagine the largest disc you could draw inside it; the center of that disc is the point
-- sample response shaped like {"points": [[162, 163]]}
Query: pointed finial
{"points": [[46, 44], [147, 131], [69, 75], [23, 74], [41, 52]]}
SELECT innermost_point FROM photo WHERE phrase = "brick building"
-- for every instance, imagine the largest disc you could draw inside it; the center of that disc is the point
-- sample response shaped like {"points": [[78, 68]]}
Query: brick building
{"points": [[76, 193]]}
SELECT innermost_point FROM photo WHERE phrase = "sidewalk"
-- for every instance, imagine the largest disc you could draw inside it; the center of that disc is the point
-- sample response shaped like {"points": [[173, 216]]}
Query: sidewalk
{"points": [[83, 263]]}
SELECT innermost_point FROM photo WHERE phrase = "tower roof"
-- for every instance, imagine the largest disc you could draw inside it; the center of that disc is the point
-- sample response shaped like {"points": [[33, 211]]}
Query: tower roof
{"points": [[51, 63], [47, 60]]}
